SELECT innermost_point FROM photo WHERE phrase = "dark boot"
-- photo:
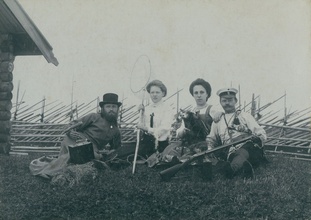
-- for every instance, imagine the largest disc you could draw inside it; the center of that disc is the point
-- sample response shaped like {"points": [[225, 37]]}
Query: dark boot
{"points": [[229, 172], [247, 170]]}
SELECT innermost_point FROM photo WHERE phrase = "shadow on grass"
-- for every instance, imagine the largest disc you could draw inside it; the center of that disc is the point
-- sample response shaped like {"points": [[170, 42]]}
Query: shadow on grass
{"points": [[280, 190]]}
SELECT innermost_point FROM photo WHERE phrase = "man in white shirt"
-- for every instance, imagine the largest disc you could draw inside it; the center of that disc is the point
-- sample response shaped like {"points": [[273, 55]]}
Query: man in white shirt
{"points": [[234, 125]]}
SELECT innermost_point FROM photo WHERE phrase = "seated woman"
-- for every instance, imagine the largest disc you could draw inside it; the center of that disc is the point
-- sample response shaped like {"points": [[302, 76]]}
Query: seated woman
{"points": [[157, 121], [205, 113]]}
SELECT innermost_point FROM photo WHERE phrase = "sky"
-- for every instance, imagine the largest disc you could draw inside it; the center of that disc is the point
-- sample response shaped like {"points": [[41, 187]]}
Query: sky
{"points": [[102, 46]]}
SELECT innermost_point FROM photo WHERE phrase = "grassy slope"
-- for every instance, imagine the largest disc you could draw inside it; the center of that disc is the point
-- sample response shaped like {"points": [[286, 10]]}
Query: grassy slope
{"points": [[281, 190]]}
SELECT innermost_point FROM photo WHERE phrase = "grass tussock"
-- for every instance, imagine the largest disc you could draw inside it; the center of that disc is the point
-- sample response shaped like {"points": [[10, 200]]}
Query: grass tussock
{"points": [[280, 190]]}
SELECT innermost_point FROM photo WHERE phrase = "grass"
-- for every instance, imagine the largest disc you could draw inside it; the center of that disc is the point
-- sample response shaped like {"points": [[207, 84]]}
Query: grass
{"points": [[280, 190]]}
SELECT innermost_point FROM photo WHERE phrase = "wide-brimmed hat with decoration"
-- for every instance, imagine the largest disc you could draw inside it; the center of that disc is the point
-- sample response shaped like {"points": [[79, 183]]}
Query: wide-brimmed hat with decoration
{"points": [[227, 91], [110, 98]]}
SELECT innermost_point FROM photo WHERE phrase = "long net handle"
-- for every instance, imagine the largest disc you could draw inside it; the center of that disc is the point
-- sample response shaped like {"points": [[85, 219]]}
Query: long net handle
{"points": [[138, 135], [136, 151]]}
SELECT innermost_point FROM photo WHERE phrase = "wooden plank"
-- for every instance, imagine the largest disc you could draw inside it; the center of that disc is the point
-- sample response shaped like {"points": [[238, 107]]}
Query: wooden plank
{"points": [[36, 151], [38, 135], [18, 153], [286, 127], [34, 148], [290, 139], [288, 153], [290, 146]]}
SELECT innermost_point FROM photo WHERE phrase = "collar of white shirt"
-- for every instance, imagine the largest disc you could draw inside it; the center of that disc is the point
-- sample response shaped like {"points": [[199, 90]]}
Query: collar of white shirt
{"points": [[156, 104]]}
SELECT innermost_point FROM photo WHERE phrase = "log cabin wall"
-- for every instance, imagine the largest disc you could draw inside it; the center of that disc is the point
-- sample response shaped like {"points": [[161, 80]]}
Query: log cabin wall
{"points": [[6, 88]]}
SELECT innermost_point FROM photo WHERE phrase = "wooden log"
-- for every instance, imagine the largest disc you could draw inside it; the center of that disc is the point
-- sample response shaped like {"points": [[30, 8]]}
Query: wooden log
{"points": [[286, 127], [294, 134], [297, 134], [51, 115], [34, 148], [30, 108], [299, 121], [18, 153], [5, 127], [6, 56], [36, 151], [28, 142], [6, 76], [89, 111], [6, 95], [289, 146], [34, 117], [288, 153], [6, 66], [6, 86], [271, 120], [277, 143], [27, 116], [299, 115], [21, 129], [27, 124], [37, 135], [291, 139], [5, 115], [5, 148], [4, 138]]}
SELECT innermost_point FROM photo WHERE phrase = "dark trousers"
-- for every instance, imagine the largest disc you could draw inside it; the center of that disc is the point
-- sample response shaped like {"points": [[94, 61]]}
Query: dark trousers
{"points": [[248, 152], [146, 147]]}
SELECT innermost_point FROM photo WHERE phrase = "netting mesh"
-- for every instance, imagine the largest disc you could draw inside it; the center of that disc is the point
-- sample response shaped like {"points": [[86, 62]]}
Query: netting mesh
{"points": [[75, 174], [140, 76]]}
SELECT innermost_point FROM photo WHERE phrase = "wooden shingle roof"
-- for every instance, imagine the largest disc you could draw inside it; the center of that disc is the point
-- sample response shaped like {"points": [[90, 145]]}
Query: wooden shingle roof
{"points": [[27, 38]]}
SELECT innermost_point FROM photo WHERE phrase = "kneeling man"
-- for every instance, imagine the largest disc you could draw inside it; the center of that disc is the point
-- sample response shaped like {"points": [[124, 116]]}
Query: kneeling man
{"points": [[235, 125]]}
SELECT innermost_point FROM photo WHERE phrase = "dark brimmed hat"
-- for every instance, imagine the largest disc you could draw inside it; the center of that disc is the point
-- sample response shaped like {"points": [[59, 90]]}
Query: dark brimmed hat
{"points": [[110, 98], [227, 91], [203, 83], [159, 84]]}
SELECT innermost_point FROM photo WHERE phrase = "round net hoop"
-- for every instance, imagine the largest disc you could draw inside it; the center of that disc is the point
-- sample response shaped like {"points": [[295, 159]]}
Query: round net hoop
{"points": [[140, 76]]}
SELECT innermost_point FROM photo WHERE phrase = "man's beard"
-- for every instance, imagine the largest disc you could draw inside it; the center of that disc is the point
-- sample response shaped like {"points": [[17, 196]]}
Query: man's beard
{"points": [[110, 116]]}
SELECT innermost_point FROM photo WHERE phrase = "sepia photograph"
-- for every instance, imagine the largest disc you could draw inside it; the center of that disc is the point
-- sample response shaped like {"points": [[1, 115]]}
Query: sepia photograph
{"points": [[166, 109]]}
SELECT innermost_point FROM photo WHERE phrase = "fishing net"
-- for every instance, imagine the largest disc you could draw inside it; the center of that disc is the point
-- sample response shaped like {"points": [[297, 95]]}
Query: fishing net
{"points": [[140, 77], [75, 174]]}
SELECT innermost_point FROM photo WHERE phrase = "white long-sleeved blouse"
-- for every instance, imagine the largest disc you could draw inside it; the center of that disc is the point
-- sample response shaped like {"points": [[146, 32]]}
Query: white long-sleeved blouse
{"points": [[162, 120]]}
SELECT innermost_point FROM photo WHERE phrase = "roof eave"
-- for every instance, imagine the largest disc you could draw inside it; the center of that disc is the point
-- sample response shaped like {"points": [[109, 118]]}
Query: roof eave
{"points": [[32, 30]]}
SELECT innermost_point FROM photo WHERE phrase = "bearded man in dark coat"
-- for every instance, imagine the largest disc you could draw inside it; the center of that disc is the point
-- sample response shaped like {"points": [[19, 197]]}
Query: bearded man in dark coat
{"points": [[95, 130]]}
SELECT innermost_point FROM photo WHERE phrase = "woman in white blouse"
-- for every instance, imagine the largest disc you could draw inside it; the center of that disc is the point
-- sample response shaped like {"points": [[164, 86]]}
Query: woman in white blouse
{"points": [[157, 120]]}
